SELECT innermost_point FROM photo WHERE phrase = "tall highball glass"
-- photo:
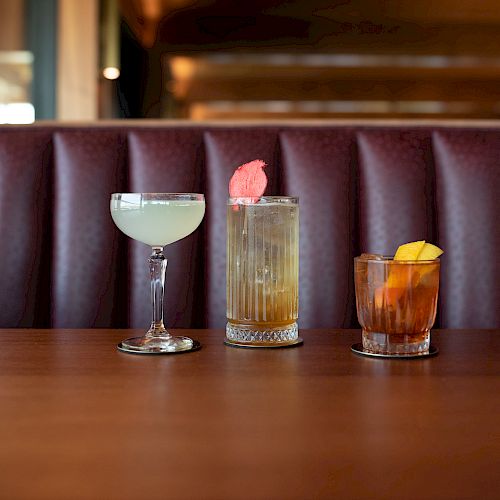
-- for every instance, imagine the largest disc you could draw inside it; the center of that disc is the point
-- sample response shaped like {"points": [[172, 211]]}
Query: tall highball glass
{"points": [[262, 271]]}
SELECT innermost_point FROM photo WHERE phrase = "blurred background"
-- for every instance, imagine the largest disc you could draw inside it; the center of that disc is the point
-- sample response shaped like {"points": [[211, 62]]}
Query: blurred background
{"points": [[261, 59]]}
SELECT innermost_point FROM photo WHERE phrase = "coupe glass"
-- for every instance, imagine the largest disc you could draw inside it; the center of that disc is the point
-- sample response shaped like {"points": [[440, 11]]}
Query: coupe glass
{"points": [[157, 219]]}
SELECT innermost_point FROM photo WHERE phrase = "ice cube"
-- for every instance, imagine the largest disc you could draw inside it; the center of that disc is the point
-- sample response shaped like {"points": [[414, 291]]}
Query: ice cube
{"points": [[371, 256]]}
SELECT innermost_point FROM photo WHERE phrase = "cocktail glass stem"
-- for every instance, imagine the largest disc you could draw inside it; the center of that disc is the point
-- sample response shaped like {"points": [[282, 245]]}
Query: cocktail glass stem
{"points": [[157, 267]]}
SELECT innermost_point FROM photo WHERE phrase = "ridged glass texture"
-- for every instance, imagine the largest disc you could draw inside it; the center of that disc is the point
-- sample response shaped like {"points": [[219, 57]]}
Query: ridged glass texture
{"points": [[263, 270], [396, 304]]}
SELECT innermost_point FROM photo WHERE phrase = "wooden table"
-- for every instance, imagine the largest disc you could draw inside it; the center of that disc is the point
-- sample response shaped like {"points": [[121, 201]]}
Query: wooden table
{"points": [[78, 419]]}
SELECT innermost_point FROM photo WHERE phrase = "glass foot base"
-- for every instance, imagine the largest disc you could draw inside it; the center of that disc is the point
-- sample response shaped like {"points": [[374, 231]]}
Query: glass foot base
{"points": [[270, 337], [397, 343], [295, 343], [158, 345], [358, 349]]}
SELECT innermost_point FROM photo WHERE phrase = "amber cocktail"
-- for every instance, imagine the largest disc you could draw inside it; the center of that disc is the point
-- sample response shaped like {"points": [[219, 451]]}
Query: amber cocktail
{"points": [[262, 271], [396, 303]]}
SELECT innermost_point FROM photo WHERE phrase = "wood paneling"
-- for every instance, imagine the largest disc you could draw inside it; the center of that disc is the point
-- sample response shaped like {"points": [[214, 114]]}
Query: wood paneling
{"points": [[12, 25], [468, 35], [230, 85], [405, 89], [77, 60]]}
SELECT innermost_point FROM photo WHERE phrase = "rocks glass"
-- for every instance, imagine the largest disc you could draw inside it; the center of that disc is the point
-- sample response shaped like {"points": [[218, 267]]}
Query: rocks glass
{"points": [[396, 304]]}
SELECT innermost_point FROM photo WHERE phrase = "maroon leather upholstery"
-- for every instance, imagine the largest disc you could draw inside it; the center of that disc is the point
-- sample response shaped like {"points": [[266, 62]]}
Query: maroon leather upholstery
{"points": [[64, 264], [468, 207], [326, 220], [25, 203]]}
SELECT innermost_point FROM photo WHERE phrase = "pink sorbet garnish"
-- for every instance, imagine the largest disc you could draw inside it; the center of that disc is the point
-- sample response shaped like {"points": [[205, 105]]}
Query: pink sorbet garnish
{"points": [[249, 181]]}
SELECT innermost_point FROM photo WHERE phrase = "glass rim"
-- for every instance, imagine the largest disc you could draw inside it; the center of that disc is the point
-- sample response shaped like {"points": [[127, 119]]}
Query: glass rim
{"points": [[257, 200], [389, 260], [172, 196]]}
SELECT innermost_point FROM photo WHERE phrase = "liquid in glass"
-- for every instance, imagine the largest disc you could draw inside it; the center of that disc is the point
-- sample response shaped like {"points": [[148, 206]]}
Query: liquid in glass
{"points": [[157, 219], [262, 271], [396, 303]]}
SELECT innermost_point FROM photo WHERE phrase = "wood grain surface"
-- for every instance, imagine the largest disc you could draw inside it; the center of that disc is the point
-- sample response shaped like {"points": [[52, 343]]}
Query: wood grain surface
{"points": [[80, 420]]}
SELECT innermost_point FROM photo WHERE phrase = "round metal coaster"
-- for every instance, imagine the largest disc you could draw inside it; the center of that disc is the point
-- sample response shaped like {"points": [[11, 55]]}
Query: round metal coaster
{"points": [[196, 347], [296, 343], [358, 349]]}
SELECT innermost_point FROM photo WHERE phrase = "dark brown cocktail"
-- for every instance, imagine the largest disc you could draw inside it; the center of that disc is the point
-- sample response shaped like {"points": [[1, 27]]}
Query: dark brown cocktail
{"points": [[396, 303]]}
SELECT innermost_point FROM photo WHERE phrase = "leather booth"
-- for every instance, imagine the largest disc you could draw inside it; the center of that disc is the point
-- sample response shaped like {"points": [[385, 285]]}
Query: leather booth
{"points": [[362, 188]]}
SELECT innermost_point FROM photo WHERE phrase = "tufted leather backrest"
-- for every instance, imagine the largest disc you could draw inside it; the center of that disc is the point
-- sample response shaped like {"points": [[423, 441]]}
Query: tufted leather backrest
{"points": [[361, 189]]}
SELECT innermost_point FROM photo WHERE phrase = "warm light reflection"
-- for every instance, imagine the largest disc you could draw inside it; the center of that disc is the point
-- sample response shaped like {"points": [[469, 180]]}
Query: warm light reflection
{"points": [[223, 85], [183, 69], [111, 73], [152, 9], [17, 113]]}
